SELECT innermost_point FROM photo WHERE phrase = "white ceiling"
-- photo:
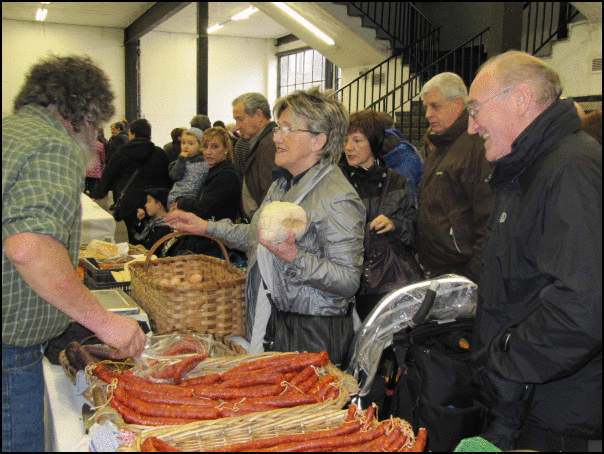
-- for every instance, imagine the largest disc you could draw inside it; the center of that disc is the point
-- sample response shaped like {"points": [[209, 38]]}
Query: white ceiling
{"points": [[122, 14]]}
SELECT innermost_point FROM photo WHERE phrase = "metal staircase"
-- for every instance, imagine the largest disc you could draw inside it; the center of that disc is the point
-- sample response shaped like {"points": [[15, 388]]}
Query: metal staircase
{"points": [[394, 85]]}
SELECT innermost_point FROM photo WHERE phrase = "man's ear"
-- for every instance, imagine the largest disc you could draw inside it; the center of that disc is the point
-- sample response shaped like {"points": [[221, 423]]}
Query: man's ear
{"points": [[523, 94]]}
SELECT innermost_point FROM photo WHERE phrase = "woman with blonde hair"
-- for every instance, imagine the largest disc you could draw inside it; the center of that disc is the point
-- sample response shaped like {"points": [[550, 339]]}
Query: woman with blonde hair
{"points": [[219, 195]]}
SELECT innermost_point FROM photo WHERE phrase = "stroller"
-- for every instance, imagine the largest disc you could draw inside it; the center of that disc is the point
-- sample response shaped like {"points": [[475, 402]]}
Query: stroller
{"points": [[418, 336]]}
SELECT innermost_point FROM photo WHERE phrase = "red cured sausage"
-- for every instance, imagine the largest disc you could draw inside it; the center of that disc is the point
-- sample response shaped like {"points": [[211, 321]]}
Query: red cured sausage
{"points": [[284, 363], [351, 412], [303, 376], [331, 442], [209, 379], [188, 345], [169, 400], [398, 442], [177, 370], [286, 400], [253, 379], [308, 384], [420, 441], [164, 411], [154, 444], [133, 417], [344, 429]]}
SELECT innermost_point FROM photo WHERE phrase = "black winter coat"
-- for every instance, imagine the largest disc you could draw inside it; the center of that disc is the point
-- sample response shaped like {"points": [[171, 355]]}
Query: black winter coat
{"points": [[140, 154], [217, 199], [399, 202], [542, 273]]}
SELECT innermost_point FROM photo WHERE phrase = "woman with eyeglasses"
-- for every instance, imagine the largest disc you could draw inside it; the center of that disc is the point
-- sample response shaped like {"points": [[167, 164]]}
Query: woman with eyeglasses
{"points": [[299, 292]]}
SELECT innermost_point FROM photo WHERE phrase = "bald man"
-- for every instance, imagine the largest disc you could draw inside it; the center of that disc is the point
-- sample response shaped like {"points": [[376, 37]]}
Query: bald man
{"points": [[537, 340]]}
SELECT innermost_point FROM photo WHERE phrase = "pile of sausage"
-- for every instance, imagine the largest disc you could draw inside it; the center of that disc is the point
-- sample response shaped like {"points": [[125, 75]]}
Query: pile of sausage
{"points": [[359, 433], [265, 384]]}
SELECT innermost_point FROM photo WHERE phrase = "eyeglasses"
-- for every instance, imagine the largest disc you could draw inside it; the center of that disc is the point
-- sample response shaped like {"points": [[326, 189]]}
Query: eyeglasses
{"points": [[286, 131], [473, 110]]}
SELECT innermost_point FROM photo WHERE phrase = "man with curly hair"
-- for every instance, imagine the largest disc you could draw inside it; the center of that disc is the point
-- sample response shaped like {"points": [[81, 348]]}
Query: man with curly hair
{"points": [[46, 146]]}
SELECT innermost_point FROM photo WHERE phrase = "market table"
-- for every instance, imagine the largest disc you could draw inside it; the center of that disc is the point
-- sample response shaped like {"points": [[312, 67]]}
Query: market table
{"points": [[63, 424], [97, 224]]}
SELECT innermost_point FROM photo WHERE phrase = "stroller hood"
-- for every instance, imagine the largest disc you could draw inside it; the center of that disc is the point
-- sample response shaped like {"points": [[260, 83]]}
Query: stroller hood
{"points": [[456, 297]]}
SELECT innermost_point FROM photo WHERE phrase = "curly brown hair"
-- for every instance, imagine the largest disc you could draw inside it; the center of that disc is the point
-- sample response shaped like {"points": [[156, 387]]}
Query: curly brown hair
{"points": [[75, 85]]}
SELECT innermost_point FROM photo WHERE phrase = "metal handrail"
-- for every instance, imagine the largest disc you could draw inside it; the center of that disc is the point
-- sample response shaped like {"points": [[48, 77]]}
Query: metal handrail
{"points": [[566, 13]]}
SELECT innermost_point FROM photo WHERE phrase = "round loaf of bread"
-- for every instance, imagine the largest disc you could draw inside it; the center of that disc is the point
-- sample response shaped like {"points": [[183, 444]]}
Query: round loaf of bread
{"points": [[278, 219]]}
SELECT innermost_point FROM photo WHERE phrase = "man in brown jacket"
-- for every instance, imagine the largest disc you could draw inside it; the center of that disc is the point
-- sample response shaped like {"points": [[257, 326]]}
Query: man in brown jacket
{"points": [[454, 197], [252, 114]]}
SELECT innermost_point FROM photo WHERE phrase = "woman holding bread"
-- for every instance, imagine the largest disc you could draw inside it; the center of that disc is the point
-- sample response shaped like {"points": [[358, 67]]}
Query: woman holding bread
{"points": [[307, 281]]}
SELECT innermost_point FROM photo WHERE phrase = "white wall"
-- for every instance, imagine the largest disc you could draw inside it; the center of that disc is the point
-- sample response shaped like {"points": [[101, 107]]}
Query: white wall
{"points": [[24, 42], [572, 58], [168, 77], [168, 69]]}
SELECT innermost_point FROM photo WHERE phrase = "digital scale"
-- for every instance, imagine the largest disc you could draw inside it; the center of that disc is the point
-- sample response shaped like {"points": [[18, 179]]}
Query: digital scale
{"points": [[118, 301]]}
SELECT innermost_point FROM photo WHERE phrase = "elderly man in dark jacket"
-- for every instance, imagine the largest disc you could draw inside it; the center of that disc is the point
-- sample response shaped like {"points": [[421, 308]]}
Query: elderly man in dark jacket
{"points": [[454, 198], [152, 164], [537, 341], [252, 113]]}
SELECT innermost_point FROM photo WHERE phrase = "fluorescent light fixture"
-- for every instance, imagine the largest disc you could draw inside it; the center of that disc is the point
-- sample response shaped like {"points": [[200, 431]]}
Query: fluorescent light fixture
{"points": [[245, 13], [304, 22], [213, 28], [41, 14]]}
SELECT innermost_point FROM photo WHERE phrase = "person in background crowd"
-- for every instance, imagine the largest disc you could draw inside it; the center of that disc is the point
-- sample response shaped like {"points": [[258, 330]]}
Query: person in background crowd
{"points": [[592, 125], [190, 170], [101, 138], [537, 341], [365, 169], [401, 155], [311, 281], [95, 170], [152, 164], [201, 122], [218, 197], [118, 138], [172, 149], [46, 146], [231, 136], [125, 124], [154, 228], [454, 197], [252, 113]]}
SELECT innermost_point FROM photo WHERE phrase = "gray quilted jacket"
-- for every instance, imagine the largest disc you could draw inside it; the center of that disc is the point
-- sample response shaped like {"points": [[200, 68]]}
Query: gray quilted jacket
{"points": [[326, 273]]}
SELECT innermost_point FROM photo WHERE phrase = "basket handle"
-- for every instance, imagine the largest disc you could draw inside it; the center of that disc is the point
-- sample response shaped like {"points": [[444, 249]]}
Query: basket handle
{"points": [[181, 233]]}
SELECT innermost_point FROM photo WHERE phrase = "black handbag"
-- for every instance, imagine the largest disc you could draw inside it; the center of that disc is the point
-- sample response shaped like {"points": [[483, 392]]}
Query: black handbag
{"points": [[388, 264], [116, 208]]}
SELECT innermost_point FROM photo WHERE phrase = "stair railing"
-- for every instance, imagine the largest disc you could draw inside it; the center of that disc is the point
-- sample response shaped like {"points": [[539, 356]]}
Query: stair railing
{"points": [[401, 21], [544, 21], [464, 61], [389, 74]]}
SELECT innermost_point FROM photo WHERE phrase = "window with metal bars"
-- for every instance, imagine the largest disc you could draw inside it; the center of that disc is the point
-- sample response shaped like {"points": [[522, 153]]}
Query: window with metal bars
{"points": [[306, 68]]}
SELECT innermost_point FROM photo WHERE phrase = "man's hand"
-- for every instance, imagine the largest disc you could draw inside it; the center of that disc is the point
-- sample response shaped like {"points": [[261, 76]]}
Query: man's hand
{"points": [[287, 249], [140, 214], [122, 333]]}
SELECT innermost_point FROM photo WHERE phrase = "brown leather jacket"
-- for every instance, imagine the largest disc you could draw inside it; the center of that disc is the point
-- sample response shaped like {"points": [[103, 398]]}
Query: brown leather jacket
{"points": [[454, 203], [259, 164]]}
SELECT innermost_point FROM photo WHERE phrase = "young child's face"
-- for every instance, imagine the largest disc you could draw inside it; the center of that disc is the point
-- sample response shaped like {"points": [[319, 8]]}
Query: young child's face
{"points": [[152, 206], [190, 145], [214, 151]]}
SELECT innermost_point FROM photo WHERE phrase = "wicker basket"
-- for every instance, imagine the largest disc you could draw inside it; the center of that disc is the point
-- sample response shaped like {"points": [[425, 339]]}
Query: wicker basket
{"points": [[206, 435], [216, 305]]}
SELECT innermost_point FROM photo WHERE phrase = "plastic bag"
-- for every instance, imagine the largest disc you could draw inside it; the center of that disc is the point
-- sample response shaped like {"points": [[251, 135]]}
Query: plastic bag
{"points": [[168, 358]]}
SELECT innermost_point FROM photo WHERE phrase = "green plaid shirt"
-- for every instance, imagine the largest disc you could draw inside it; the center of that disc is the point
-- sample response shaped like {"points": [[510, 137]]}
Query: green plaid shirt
{"points": [[42, 178]]}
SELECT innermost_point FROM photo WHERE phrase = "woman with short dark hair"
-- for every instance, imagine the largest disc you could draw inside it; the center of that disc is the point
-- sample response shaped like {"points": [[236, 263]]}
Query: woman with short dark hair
{"points": [[366, 171]]}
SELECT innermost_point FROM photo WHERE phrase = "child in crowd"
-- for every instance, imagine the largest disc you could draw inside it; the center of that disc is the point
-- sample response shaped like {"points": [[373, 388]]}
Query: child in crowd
{"points": [[190, 170], [149, 232]]}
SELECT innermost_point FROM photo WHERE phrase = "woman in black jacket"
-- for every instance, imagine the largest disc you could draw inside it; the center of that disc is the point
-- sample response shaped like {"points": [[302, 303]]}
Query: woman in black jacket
{"points": [[138, 154], [367, 172], [219, 195]]}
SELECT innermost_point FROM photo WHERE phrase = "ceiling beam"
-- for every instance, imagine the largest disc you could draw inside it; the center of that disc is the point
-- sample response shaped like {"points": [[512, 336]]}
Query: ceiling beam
{"points": [[154, 16]]}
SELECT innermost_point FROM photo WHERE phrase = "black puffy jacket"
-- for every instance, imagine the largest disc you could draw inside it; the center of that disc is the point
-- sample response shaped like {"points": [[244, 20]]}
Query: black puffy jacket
{"points": [[542, 273]]}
